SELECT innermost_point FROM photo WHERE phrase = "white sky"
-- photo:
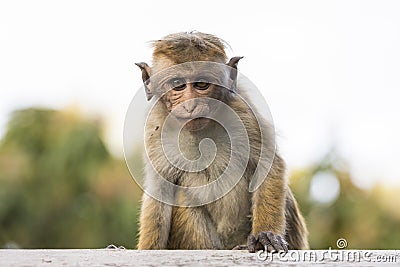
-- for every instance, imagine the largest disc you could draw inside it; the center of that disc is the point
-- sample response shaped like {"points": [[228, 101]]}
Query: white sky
{"points": [[328, 69]]}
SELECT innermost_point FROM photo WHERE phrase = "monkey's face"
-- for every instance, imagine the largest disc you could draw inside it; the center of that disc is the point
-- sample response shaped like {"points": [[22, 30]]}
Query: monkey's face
{"points": [[188, 99], [189, 90]]}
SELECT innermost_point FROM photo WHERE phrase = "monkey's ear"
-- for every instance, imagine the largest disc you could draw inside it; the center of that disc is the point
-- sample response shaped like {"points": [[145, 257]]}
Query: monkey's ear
{"points": [[146, 78], [233, 63]]}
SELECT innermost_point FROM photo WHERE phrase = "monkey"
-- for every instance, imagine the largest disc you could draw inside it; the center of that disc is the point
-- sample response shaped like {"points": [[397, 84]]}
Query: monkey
{"points": [[267, 218]]}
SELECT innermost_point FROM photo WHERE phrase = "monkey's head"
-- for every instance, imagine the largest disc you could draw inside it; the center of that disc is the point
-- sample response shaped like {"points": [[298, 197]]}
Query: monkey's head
{"points": [[188, 70]]}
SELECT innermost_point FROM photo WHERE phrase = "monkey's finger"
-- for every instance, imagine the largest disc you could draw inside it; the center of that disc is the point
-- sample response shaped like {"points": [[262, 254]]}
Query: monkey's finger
{"points": [[251, 243], [275, 242], [241, 247], [283, 243], [265, 241]]}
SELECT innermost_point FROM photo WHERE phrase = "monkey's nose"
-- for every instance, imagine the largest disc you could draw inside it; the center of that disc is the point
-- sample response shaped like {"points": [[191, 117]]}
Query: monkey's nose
{"points": [[189, 106]]}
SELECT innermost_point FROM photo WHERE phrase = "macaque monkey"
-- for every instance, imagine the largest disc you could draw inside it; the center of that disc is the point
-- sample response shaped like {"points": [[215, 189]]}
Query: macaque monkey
{"points": [[267, 218]]}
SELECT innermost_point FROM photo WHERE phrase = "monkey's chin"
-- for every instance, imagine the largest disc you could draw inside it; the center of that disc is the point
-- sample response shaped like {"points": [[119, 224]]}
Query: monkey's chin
{"points": [[197, 124]]}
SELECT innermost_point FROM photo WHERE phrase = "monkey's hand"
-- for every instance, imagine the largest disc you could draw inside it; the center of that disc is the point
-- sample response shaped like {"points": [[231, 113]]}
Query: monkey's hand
{"points": [[266, 241]]}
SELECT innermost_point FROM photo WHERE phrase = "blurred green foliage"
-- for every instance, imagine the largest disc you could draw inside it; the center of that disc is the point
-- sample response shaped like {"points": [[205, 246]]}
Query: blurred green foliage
{"points": [[61, 188], [367, 219]]}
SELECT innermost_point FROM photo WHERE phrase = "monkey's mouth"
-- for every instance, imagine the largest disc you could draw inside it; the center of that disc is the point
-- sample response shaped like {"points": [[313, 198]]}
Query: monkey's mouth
{"points": [[196, 124]]}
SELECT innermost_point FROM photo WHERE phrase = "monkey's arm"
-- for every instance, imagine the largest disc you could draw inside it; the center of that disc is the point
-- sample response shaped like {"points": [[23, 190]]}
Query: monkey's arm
{"points": [[268, 216], [155, 223], [268, 211], [269, 201]]}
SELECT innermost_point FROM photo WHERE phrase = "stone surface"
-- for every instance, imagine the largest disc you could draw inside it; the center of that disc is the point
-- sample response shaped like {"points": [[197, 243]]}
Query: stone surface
{"points": [[122, 257]]}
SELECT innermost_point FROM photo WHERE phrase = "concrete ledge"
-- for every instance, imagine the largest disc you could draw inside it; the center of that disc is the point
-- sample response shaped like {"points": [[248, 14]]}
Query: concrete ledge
{"points": [[122, 257]]}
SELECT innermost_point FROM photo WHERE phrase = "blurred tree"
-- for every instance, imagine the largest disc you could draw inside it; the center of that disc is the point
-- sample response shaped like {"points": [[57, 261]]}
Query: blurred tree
{"points": [[59, 186], [365, 218]]}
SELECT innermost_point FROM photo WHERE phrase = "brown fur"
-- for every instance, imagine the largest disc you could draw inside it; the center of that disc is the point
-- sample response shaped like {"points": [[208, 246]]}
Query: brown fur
{"points": [[227, 222], [186, 47]]}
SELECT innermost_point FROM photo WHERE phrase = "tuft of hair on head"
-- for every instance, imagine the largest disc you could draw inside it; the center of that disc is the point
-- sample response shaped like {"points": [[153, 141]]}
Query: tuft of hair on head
{"points": [[190, 46]]}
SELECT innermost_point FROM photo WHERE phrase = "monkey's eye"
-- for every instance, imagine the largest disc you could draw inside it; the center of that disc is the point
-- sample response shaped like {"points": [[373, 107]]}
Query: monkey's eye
{"points": [[202, 84], [177, 84]]}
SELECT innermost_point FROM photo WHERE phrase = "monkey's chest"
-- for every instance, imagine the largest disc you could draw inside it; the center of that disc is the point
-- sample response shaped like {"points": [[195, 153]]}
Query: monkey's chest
{"points": [[221, 224], [231, 216], [227, 218]]}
